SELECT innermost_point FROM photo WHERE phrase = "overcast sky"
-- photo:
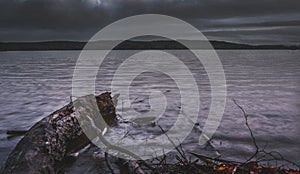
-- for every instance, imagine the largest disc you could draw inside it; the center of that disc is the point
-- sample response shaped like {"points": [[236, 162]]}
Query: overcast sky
{"points": [[244, 21]]}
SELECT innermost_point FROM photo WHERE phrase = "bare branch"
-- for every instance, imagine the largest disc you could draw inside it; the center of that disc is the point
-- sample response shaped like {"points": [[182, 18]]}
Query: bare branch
{"points": [[252, 135]]}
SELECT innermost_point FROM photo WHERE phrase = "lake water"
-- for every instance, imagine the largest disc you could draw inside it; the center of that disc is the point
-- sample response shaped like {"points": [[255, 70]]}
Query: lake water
{"points": [[265, 82]]}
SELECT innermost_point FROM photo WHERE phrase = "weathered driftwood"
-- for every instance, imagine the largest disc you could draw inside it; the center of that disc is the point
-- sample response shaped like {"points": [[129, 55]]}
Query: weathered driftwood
{"points": [[50, 140]]}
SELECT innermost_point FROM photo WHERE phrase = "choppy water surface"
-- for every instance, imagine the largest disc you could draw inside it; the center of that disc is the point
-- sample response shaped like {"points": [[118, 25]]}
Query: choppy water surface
{"points": [[265, 82]]}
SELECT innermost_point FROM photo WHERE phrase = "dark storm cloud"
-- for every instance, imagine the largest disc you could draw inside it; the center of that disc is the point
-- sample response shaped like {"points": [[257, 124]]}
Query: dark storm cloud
{"points": [[80, 19]]}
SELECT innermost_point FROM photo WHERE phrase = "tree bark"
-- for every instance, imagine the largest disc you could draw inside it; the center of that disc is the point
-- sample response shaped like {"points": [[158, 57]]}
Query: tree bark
{"points": [[49, 141]]}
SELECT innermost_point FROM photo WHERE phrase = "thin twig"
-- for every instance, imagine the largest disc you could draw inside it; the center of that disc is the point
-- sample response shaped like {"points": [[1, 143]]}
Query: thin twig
{"points": [[271, 154], [252, 135], [206, 158], [178, 150]]}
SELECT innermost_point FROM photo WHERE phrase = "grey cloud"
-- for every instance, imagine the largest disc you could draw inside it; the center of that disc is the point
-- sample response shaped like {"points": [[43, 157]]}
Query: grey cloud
{"points": [[80, 19]]}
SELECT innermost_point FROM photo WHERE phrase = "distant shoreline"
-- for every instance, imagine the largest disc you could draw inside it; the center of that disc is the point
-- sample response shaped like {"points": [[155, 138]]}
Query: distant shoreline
{"points": [[134, 45]]}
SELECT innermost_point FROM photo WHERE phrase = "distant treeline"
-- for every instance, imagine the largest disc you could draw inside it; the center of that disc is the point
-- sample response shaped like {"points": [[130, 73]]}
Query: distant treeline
{"points": [[132, 45]]}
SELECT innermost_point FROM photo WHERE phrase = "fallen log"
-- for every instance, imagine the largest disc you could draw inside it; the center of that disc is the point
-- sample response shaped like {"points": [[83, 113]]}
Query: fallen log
{"points": [[48, 142]]}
